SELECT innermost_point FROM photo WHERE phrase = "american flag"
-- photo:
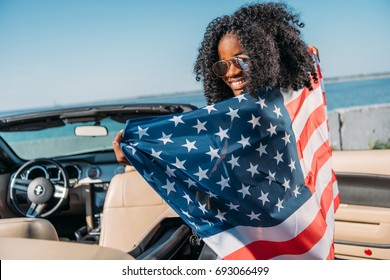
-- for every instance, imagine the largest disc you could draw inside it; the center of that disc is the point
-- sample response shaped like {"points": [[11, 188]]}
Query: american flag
{"points": [[251, 175]]}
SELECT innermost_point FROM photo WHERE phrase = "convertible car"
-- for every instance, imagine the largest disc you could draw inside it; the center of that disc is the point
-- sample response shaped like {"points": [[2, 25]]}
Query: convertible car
{"points": [[63, 195]]}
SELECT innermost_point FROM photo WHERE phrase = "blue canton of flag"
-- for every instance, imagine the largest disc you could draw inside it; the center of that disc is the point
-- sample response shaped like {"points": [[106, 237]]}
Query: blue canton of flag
{"points": [[234, 163]]}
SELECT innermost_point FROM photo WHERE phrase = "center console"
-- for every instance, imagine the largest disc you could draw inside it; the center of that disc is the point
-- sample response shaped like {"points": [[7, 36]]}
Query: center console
{"points": [[85, 234], [98, 194]]}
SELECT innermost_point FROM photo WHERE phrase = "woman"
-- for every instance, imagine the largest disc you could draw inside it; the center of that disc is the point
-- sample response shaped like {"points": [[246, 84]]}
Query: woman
{"points": [[259, 184], [258, 46]]}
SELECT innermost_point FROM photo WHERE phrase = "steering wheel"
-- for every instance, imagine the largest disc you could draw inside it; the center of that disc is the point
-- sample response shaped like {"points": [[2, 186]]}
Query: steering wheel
{"points": [[44, 195]]}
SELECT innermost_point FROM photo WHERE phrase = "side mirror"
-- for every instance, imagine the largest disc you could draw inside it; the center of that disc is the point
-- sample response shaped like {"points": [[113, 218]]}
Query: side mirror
{"points": [[90, 130]]}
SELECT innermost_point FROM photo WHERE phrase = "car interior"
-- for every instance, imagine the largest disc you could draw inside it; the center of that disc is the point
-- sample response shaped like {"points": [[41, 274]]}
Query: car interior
{"points": [[362, 229], [89, 199], [100, 209]]}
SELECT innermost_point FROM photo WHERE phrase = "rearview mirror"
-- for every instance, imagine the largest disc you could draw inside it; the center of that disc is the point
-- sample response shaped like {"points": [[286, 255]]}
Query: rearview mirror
{"points": [[90, 130]]}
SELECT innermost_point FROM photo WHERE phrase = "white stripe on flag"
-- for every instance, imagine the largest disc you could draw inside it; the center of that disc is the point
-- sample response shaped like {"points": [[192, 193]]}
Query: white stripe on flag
{"points": [[316, 140], [311, 103]]}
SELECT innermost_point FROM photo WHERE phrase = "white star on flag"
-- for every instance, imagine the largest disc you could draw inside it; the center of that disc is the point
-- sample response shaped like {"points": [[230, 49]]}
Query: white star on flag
{"points": [[221, 215], [254, 216], [169, 187], [212, 194], [213, 153], [177, 120], [170, 172], [261, 149], [296, 192], [233, 114], [277, 112], [286, 184], [179, 164], [186, 213], [240, 98], [190, 183], [202, 207], [279, 204], [244, 141], [286, 138], [292, 165], [234, 161], [190, 145], [142, 132], [188, 198], [206, 222], [270, 177], [166, 138], [156, 154], [202, 174], [261, 102], [244, 190], [200, 126], [278, 157], [233, 206], [253, 169], [224, 183], [264, 197], [272, 130], [210, 108], [254, 121], [222, 133]]}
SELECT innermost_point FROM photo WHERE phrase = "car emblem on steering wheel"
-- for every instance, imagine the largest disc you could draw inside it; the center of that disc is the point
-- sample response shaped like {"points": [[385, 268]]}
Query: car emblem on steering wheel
{"points": [[38, 191]]}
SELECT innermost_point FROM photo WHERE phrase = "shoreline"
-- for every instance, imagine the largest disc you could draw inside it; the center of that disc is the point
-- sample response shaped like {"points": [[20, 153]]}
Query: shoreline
{"points": [[353, 78]]}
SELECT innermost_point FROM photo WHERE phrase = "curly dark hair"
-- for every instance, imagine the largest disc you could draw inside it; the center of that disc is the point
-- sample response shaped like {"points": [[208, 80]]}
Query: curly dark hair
{"points": [[269, 34]]}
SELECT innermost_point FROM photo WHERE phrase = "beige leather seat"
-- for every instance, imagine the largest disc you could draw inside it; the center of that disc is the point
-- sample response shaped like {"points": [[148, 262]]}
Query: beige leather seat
{"points": [[130, 209], [34, 228]]}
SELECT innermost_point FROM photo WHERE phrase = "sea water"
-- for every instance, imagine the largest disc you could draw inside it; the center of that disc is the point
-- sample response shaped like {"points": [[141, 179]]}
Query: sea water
{"points": [[338, 95], [357, 93]]}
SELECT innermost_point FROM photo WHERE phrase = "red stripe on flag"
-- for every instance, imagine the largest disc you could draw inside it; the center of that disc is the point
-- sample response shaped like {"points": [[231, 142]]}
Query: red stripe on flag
{"points": [[320, 157], [331, 253], [316, 118], [295, 105], [264, 250], [327, 198]]}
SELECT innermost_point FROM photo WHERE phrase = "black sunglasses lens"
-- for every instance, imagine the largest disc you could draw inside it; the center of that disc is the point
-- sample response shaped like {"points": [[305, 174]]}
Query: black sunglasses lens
{"points": [[240, 63], [220, 68]]}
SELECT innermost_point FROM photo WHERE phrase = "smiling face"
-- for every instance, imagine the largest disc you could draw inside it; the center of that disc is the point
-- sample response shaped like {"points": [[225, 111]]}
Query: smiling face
{"points": [[235, 78]]}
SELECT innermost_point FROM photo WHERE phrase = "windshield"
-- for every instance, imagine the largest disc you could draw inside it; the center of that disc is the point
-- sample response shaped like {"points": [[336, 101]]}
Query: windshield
{"points": [[60, 141]]}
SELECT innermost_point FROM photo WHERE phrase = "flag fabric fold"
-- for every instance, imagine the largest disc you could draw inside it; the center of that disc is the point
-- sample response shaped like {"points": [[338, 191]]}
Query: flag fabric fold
{"points": [[251, 175]]}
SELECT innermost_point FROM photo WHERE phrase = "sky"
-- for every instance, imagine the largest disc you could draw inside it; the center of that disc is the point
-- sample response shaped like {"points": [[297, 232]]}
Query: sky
{"points": [[75, 51]]}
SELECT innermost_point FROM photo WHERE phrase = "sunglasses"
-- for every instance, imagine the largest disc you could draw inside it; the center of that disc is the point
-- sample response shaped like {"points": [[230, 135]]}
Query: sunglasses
{"points": [[220, 68]]}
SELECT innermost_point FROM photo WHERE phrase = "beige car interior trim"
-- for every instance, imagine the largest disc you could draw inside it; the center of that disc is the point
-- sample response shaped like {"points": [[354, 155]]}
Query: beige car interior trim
{"points": [[362, 231], [34, 228], [344, 251], [36, 249], [366, 162]]}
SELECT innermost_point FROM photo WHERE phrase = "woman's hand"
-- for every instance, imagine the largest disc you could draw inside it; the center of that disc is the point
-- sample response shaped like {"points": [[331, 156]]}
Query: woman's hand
{"points": [[120, 157]]}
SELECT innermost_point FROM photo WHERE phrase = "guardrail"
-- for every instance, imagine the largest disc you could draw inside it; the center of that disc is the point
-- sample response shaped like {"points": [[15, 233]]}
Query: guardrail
{"points": [[360, 128]]}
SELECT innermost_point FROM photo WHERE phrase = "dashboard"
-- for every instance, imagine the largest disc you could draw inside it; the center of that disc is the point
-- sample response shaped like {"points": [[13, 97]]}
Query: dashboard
{"points": [[78, 173], [89, 180]]}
